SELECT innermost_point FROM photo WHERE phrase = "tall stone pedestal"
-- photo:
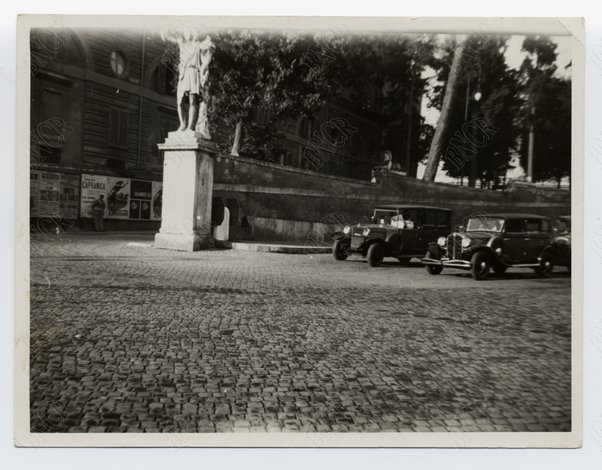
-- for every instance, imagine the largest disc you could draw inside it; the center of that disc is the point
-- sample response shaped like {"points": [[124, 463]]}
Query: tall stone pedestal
{"points": [[187, 192]]}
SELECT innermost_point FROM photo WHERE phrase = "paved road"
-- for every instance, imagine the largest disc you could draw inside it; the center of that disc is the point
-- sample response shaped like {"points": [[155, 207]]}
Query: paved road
{"points": [[127, 338]]}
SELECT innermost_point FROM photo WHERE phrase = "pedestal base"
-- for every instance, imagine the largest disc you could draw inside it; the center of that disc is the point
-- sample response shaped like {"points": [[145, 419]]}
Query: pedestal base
{"points": [[187, 193], [182, 242]]}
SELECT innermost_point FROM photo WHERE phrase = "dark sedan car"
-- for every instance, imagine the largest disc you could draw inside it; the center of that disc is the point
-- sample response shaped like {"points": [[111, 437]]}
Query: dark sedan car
{"points": [[498, 242], [395, 230], [562, 241]]}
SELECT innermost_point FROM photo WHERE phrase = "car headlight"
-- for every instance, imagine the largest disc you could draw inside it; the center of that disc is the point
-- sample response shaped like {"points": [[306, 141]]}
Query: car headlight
{"points": [[465, 242], [347, 229], [441, 241], [366, 232]]}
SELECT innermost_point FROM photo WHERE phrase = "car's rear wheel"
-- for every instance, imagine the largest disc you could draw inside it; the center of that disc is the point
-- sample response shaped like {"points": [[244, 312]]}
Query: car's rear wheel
{"points": [[430, 268], [480, 265], [375, 255], [339, 250], [546, 265]]}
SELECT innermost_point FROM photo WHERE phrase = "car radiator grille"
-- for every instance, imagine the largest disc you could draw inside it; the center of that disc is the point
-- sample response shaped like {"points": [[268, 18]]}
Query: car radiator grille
{"points": [[454, 246]]}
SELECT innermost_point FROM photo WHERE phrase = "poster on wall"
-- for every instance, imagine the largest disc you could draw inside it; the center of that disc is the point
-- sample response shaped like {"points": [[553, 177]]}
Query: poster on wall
{"points": [[91, 188], [34, 194], [157, 201], [49, 194], [118, 198], [125, 198], [140, 199], [69, 196]]}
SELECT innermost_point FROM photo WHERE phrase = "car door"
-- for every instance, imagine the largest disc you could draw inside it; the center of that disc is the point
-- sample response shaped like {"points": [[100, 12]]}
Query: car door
{"points": [[537, 237], [515, 249], [409, 234], [431, 228]]}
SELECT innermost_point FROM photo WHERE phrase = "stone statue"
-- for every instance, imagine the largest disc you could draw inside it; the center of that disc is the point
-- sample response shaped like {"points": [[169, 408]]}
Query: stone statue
{"points": [[195, 57]]}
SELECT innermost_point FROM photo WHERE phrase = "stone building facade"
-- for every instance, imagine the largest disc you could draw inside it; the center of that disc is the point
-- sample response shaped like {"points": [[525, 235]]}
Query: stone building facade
{"points": [[101, 101]]}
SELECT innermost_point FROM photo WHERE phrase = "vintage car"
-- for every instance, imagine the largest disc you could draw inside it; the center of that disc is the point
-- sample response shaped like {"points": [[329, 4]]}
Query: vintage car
{"points": [[395, 230], [495, 241], [562, 241]]}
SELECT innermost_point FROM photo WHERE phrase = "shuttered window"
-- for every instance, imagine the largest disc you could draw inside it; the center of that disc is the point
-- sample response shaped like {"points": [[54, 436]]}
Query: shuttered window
{"points": [[118, 128]]}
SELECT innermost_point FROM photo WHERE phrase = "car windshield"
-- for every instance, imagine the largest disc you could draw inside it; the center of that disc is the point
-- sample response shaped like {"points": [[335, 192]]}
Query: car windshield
{"points": [[384, 216], [485, 224], [563, 224]]}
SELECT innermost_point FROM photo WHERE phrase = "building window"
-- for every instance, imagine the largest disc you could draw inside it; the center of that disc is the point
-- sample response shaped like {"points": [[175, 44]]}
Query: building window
{"points": [[166, 126], [45, 154], [118, 128], [118, 63], [164, 80], [307, 127]]}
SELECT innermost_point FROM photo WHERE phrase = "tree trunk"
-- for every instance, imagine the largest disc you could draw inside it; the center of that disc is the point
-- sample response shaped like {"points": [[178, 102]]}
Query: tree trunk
{"points": [[443, 123], [409, 128], [237, 136]]}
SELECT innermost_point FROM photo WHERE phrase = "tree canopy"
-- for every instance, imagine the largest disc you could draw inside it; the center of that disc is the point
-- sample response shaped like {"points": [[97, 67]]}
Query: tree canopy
{"points": [[283, 76]]}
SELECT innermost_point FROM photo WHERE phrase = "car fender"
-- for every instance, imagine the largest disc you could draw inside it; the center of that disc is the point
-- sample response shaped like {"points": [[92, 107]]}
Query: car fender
{"points": [[373, 241], [340, 236], [485, 248], [394, 243], [551, 248], [436, 248]]}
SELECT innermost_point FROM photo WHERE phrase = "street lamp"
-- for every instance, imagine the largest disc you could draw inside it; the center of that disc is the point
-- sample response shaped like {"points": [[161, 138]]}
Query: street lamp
{"points": [[477, 97]]}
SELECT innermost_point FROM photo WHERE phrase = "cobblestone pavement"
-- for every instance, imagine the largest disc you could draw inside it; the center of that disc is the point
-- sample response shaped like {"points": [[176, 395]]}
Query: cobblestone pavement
{"points": [[127, 338]]}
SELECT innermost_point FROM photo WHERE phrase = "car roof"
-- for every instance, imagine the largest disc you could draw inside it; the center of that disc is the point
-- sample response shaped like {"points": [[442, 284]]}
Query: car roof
{"points": [[409, 206], [510, 215]]}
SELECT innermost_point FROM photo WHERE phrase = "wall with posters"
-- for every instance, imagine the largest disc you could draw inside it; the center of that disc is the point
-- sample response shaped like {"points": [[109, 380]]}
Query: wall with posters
{"points": [[69, 196], [92, 187], [126, 198], [53, 195]]}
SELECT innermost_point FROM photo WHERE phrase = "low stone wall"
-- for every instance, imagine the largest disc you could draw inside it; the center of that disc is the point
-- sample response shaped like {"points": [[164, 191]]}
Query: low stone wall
{"points": [[275, 203]]}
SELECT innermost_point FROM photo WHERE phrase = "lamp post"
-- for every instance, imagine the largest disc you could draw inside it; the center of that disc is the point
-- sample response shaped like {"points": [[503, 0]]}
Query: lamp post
{"points": [[530, 148], [473, 161]]}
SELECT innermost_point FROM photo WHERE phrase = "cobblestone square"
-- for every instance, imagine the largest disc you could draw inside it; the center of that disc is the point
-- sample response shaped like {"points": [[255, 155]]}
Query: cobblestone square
{"points": [[128, 338]]}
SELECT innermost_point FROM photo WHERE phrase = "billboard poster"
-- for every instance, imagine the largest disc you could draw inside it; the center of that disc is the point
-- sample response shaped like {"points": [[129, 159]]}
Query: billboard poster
{"points": [[140, 199], [157, 200], [91, 188], [118, 198], [126, 198], [34, 193], [69, 196], [49, 194]]}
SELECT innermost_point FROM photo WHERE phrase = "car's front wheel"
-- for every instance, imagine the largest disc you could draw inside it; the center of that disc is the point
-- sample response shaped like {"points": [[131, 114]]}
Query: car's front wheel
{"points": [[431, 268], [480, 265], [339, 250], [375, 255], [546, 265]]}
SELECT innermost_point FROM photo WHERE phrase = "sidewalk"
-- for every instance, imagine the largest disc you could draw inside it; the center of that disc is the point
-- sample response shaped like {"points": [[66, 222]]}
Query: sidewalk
{"points": [[281, 247], [145, 237]]}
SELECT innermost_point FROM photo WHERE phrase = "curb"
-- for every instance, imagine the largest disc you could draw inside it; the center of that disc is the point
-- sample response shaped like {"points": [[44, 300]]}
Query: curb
{"points": [[275, 248]]}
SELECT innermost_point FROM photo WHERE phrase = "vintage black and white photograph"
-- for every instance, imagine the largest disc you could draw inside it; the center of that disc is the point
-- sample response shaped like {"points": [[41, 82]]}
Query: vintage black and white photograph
{"points": [[299, 231]]}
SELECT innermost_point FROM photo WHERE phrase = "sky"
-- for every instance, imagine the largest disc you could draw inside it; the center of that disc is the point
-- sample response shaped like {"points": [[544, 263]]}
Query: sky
{"points": [[514, 57]]}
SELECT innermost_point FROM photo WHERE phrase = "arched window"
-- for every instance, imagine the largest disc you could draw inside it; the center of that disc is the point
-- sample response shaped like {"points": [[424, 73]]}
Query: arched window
{"points": [[164, 79]]}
